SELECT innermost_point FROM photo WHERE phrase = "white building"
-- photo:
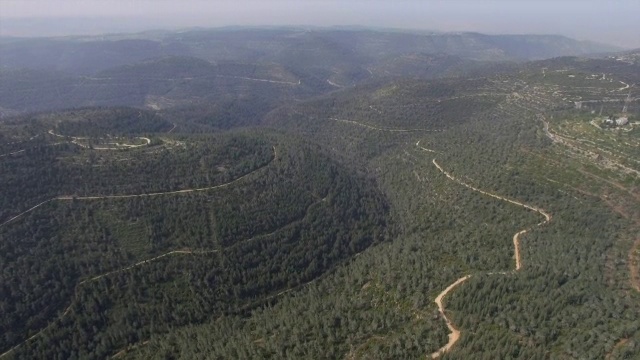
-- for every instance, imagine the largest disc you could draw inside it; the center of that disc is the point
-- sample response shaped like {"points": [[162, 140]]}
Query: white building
{"points": [[622, 121]]}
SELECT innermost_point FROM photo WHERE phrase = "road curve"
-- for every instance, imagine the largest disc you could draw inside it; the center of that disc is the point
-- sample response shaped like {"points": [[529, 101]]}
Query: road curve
{"points": [[424, 148], [454, 334]]}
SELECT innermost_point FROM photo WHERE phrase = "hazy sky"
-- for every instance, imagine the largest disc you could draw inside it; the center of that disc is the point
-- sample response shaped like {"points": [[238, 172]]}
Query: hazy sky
{"points": [[611, 21]]}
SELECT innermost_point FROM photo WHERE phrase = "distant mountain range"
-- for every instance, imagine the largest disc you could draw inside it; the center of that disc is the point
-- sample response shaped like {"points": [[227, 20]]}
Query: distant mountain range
{"points": [[296, 46], [163, 69]]}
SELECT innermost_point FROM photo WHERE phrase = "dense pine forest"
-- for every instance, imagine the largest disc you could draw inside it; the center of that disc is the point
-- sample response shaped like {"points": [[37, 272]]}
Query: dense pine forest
{"points": [[276, 204]]}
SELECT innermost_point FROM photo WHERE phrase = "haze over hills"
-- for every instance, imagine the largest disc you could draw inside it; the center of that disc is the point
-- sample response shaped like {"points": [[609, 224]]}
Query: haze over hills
{"points": [[611, 22], [158, 70], [279, 44], [290, 192]]}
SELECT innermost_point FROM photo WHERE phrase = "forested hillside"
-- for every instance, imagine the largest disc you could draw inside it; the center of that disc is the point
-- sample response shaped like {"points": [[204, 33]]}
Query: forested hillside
{"points": [[303, 198], [249, 216]]}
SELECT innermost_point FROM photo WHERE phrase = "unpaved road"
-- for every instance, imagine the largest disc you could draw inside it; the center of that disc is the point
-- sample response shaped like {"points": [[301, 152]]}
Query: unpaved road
{"points": [[129, 348], [68, 309], [74, 140], [424, 148], [184, 191], [101, 197], [454, 332], [260, 80], [381, 129], [12, 153], [186, 251]]}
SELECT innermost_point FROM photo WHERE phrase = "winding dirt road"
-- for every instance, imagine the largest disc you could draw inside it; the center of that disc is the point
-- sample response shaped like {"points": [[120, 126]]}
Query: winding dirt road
{"points": [[26, 211], [634, 267], [454, 332], [424, 148]]}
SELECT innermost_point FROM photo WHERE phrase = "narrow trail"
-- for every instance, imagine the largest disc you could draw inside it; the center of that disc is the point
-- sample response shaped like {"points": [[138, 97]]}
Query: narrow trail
{"points": [[424, 148], [185, 251], [103, 197], [68, 309], [382, 129], [21, 141], [454, 335], [12, 153], [261, 80], [184, 191]]}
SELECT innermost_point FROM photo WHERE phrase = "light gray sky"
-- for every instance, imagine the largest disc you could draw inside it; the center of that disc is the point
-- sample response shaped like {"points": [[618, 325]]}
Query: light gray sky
{"points": [[615, 22]]}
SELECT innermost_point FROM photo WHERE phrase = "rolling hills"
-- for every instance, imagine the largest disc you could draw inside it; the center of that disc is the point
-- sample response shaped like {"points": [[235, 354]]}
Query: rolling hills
{"points": [[159, 70], [320, 193]]}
